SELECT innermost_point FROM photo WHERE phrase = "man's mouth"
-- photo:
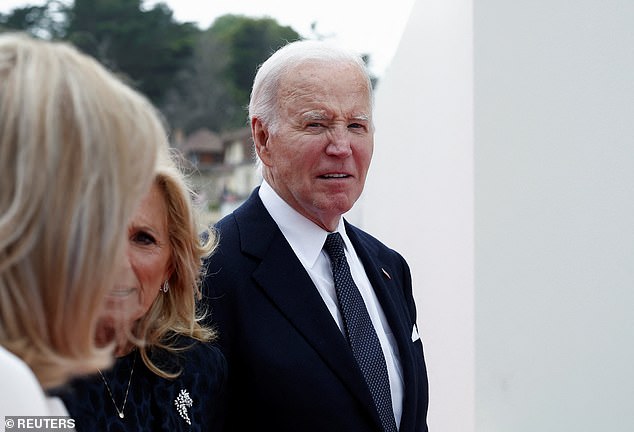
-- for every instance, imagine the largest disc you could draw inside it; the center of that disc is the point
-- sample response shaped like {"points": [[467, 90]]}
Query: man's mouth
{"points": [[335, 176]]}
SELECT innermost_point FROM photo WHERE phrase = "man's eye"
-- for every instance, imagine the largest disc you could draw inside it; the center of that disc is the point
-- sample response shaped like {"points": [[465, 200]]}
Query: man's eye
{"points": [[315, 125], [356, 126], [143, 238]]}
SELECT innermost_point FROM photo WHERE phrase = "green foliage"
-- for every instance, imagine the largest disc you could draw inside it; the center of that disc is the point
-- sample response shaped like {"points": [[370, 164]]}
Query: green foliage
{"points": [[46, 21], [200, 96], [149, 47], [197, 78], [212, 90], [250, 42]]}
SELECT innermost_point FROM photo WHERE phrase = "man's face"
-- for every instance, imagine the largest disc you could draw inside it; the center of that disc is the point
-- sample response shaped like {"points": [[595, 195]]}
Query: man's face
{"points": [[317, 157]]}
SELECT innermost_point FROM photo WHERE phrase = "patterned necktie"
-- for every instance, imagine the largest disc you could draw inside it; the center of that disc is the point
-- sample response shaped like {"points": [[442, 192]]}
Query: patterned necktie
{"points": [[360, 332]]}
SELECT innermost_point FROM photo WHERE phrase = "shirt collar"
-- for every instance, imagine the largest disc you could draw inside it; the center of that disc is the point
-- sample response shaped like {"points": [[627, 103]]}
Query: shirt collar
{"points": [[305, 237]]}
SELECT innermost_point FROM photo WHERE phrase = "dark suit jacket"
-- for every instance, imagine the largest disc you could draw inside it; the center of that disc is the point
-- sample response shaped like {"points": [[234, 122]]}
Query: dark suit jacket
{"points": [[290, 367]]}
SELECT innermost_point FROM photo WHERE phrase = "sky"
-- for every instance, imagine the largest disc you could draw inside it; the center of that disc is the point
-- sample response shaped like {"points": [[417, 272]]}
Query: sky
{"points": [[367, 27]]}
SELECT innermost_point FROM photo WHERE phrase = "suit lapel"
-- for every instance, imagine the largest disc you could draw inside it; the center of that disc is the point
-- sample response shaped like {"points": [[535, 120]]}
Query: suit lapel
{"points": [[286, 283], [382, 277]]}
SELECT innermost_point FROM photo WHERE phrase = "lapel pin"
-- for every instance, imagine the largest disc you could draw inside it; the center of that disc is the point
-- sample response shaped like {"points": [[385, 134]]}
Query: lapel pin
{"points": [[386, 273]]}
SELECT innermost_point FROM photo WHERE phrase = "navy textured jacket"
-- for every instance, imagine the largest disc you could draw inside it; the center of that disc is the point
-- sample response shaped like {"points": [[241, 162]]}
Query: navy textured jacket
{"points": [[194, 401]]}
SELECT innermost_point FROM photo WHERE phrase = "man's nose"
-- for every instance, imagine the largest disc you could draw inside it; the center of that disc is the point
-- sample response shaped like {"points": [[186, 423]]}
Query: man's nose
{"points": [[339, 143]]}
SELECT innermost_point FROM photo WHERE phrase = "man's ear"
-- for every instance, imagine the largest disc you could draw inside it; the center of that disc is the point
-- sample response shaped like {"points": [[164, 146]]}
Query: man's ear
{"points": [[260, 134]]}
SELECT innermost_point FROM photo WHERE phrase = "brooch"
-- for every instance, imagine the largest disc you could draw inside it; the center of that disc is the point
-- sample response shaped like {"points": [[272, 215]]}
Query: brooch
{"points": [[182, 402]]}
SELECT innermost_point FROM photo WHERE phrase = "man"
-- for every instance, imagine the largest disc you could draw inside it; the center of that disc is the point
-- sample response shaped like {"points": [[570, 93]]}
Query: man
{"points": [[315, 341]]}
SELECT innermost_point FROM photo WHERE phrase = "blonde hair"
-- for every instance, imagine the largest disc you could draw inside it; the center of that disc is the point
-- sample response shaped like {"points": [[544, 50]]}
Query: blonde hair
{"points": [[174, 313], [78, 150]]}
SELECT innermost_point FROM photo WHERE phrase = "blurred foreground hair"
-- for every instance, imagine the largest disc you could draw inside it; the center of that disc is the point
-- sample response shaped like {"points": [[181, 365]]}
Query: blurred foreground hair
{"points": [[78, 150]]}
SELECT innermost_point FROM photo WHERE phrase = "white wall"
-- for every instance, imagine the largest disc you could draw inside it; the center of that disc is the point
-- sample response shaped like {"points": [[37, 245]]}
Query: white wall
{"points": [[504, 172], [419, 193], [554, 139]]}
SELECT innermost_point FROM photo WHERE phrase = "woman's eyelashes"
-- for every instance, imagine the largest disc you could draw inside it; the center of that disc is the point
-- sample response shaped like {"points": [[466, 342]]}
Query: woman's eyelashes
{"points": [[143, 238]]}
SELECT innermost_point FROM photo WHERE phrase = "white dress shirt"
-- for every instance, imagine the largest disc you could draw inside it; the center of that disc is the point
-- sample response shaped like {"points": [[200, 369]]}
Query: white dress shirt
{"points": [[307, 241]]}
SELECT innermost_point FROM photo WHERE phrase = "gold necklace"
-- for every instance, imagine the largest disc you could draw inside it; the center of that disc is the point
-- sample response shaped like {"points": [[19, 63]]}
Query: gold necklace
{"points": [[125, 399]]}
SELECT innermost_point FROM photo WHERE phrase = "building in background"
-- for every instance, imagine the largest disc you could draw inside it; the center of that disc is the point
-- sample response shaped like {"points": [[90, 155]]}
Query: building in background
{"points": [[221, 169]]}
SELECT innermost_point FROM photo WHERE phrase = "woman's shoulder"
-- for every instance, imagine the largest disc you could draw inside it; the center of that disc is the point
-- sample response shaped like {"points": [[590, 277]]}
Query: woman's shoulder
{"points": [[21, 393], [206, 358], [198, 350], [188, 347], [190, 355]]}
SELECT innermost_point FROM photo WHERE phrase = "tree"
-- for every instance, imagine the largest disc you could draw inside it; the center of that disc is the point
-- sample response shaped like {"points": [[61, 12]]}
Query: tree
{"points": [[46, 21], [213, 88], [200, 96], [250, 41], [198, 79], [148, 47]]}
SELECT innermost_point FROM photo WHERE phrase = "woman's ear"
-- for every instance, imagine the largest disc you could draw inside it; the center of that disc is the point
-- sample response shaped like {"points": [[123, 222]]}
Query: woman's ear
{"points": [[260, 135], [169, 271]]}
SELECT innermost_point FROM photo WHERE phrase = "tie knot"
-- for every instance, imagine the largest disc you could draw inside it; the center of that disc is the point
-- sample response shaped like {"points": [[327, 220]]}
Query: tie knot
{"points": [[334, 246]]}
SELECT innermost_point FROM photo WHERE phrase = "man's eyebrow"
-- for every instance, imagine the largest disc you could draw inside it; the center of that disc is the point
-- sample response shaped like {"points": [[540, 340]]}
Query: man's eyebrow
{"points": [[320, 115], [314, 115], [361, 117]]}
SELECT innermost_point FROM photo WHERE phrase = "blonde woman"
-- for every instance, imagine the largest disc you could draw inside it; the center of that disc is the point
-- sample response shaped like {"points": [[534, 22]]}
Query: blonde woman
{"points": [[173, 378], [78, 150]]}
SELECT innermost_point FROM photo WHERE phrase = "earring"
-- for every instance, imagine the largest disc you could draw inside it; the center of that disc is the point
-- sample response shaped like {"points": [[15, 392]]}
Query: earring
{"points": [[165, 287]]}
